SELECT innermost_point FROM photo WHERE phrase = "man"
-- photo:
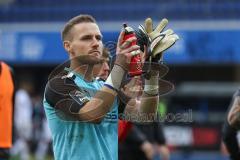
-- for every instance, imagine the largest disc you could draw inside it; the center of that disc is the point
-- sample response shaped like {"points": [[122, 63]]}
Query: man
{"points": [[6, 110], [231, 127], [23, 120], [81, 111], [124, 128], [154, 133], [102, 70]]}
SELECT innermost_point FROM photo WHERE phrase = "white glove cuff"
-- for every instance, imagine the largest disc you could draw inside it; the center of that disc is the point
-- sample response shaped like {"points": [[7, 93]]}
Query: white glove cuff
{"points": [[114, 79], [151, 85]]}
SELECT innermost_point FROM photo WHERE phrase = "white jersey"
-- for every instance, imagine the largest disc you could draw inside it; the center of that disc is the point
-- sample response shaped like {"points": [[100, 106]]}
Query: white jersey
{"points": [[23, 112]]}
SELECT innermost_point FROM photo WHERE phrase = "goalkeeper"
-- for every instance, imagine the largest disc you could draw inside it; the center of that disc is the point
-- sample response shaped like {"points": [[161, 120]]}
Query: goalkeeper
{"points": [[81, 111]]}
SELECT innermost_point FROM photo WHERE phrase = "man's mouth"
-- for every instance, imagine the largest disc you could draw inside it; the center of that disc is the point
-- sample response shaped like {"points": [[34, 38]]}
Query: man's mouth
{"points": [[97, 53]]}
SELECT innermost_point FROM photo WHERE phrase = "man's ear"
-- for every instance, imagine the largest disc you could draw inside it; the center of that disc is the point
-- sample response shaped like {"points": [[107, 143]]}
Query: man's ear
{"points": [[67, 46]]}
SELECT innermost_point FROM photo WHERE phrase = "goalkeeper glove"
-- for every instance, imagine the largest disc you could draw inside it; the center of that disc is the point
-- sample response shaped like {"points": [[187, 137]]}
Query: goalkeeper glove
{"points": [[156, 40]]}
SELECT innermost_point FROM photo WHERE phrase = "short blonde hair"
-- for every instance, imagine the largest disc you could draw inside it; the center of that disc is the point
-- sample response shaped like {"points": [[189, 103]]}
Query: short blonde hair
{"points": [[83, 18]]}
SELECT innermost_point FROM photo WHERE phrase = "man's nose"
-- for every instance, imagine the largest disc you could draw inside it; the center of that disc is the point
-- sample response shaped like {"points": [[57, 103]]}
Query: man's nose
{"points": [[106, 67], [96, 42]]}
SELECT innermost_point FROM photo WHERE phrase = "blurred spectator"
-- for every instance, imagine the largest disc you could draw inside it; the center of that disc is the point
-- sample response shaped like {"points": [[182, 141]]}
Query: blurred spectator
{"points": [[231, 127], [146, 141], [6, 110], [23, 120], [44, 141], [37, 117], [136, 146], [102, 72], [154, 134], [41, 130]]}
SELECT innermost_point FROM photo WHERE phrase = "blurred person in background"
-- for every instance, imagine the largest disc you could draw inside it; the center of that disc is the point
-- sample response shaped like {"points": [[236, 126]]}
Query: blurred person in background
{"points": [[6, 110], [146, 140], [42, 134], [37, 117], [102, 70], [44, 141], [23, 120], [125, 128], [130, 137], [231, 127], [154, 133], [134, 141]]}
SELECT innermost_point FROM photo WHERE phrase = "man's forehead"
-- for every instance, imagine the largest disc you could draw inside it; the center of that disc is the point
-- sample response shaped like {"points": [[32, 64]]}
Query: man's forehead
{"points": [[105, 59], [88, 28]]}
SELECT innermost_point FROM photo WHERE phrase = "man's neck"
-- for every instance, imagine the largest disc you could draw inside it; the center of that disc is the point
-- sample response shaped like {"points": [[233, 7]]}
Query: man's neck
{"points": [[85, 70]]}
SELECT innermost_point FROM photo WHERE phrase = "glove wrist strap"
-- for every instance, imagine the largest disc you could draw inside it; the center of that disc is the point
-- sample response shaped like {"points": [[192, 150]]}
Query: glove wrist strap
{"points": [[115, 77], [151, 85]]}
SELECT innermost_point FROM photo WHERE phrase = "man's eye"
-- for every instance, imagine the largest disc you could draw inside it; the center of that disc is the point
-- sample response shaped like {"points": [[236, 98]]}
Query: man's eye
{"points": [[99, 38], [86, 38]]}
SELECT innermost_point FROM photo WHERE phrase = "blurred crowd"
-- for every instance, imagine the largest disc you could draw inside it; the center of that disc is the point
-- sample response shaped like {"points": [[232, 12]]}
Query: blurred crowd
{"points": [[32, 135]]}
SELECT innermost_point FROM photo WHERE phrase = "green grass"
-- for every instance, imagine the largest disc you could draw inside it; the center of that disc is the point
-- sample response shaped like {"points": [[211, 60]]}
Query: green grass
{"points": [[48, 157]]}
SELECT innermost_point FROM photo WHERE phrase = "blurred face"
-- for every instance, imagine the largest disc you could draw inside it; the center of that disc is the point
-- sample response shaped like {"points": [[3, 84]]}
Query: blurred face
{"points": [[86, 43], [104, 71]]}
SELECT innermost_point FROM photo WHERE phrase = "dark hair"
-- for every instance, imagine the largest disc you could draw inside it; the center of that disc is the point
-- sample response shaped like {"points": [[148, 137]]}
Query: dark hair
{"points": [[72, 22], [106, 53]]}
